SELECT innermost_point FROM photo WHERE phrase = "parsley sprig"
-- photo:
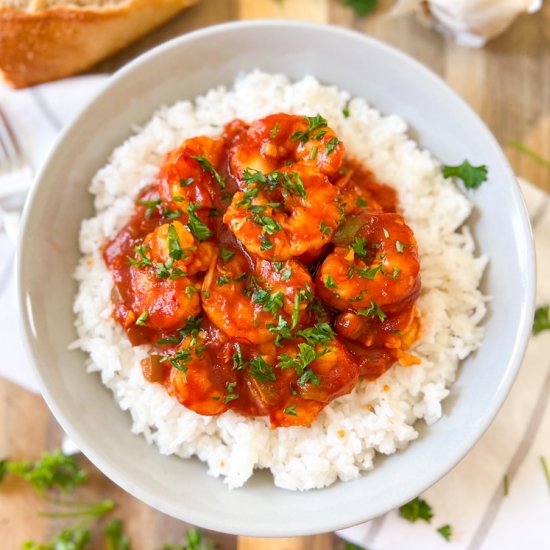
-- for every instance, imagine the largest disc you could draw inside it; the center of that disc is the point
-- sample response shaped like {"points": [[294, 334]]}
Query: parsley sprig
{"points": [[472, 176]]}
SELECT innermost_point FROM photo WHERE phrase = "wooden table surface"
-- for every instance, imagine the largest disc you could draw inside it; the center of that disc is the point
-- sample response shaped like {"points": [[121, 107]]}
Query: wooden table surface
{"points": [[507, 83]]}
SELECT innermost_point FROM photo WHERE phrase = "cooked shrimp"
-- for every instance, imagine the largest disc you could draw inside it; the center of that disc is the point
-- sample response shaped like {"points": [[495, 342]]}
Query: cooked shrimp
{"points": [[190, 174], [286, 213], [374, 267], [194, 382], [280, 139], [164, 293], [255, 308]]}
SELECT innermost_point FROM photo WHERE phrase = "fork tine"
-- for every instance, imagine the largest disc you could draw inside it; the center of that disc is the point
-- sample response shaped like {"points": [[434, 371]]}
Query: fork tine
{"points": [[11, 154]]}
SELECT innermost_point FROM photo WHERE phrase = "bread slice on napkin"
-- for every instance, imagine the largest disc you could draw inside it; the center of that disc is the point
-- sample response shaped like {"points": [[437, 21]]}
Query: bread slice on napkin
{"points": [[43, 40]]}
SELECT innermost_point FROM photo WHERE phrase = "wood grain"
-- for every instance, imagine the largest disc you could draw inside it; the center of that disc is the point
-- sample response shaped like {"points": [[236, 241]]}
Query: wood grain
{"points": [[507, 83]]}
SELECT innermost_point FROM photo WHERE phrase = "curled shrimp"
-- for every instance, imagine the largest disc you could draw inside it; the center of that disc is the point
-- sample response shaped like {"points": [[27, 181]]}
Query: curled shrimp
{"points": [[279, 139], [189, 174], [374, 267], [255, 308], [192, 380], [286, 213], [165, 293]]}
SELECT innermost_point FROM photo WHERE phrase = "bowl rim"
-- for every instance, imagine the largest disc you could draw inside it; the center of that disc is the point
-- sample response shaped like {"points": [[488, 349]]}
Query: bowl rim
{"points": [[219, 523]]}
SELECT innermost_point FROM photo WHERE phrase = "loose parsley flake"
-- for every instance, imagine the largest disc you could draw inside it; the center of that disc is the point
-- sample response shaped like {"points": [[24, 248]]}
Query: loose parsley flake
{"points": [[399, 246], [230, 396], [361, 7], [226, 254], [199, 229], [287, 273], [271, 302], [542, 319], [151, 205], [345, 111], [190, 290], [175, 251], [416, 509], [446, 531], [143, 260], [186, 182], [291, 410], [325, 229], [261, 370], [329, 282], [361, 202], [374, 309], [115, 537], [358, 245], [331, 145], [266, 244], [274, 131], [313, 153], [472, 176], [238, 361], [314, 123], [207, 166], [282, 330], [142, 319]]}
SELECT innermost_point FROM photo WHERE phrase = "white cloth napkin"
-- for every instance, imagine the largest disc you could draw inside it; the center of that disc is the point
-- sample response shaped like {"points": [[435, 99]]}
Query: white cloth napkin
{"points": [[470, 498]]}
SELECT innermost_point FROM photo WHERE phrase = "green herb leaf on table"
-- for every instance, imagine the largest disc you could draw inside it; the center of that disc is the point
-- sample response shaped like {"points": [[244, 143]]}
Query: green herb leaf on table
{"points": [[115, 537], [361, 7], [76, 538], [416, 509], [542, 319], [472, 176], [195, 541], [446, 531], [53, 471], [351, 546]]}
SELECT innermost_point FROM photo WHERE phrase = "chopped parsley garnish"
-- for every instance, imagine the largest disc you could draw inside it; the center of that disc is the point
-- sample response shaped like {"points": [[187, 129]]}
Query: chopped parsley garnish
{"points": [[171, 214], [277, 266], [143, 260], [331, 145], [199, 229], [446, 531], [287, 273], [542, 319], [73, 538], [266, 244], [274, 131], [179, 359], [175, 251], [386, 232], [186, 182], [416, 509], [190, 290], [207, 166], [314, 123], [226, 254], [345, 111], [169, 341], [320, 333], [361, 7], [351, 546], [329, 282], [269, 225], [261, 370], [472, 176], [223, 280], [359, 245], [374, 309], [313, 153], [238, 361], [506, 485], [167, 269], [369, 272], [325, 229], [399, 246], [270, 302], [142, 319], [151, 205], [361, 202], [230, 396], [300, 363], [290, 410], [282, 330]]}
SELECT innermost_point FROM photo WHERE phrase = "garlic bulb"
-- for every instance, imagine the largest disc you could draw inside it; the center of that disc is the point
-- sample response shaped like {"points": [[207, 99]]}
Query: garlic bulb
{"points": [[471, 22]]}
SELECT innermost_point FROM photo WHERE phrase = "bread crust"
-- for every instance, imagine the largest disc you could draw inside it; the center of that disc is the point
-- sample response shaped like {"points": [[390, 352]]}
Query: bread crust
{"points": [[46, 45]]}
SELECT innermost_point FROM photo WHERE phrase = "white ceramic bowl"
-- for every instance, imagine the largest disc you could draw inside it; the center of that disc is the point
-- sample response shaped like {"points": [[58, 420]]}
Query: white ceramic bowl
{"points": [[185, 68]]}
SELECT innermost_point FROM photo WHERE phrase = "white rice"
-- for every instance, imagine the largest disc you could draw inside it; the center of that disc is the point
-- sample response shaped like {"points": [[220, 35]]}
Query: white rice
{"points": [[377, 416]]}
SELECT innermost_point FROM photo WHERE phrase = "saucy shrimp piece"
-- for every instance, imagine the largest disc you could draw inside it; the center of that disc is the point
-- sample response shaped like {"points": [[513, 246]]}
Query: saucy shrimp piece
{"points": [[189, 174], [164, 293], [252, 305], [286, 213], [374, 267], [194, 381], [278, 139]]}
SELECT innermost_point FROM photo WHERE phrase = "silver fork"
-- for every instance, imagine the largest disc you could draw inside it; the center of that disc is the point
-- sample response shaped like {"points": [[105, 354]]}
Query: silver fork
{"points": [[15, 170]]}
